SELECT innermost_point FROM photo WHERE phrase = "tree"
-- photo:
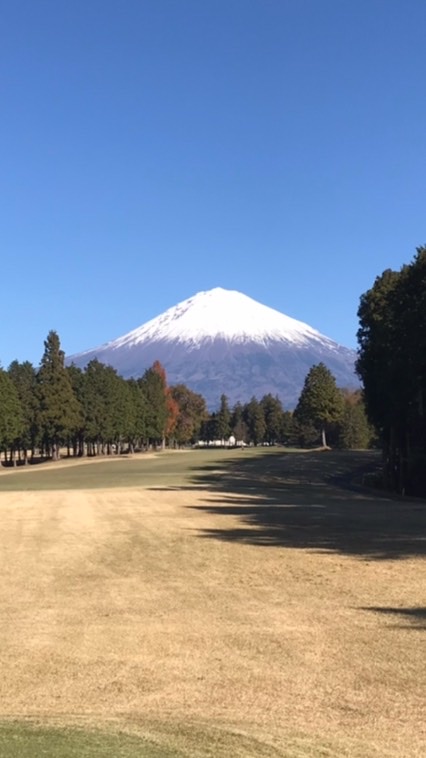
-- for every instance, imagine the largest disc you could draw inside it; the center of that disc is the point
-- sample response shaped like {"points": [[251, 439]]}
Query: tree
{"points": [[209, 428], [223, 419], [78, 383], [238, 425], [138, 425], [11, 422], [273, 415], [59, 410], [24, 378], [255, 420], [392, 366], [192, 412], [154, 386], [320, 402], [354, 431]]}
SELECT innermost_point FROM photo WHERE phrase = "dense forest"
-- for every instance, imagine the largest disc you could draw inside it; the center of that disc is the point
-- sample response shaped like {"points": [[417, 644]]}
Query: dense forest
{"points": [[96, 412]]}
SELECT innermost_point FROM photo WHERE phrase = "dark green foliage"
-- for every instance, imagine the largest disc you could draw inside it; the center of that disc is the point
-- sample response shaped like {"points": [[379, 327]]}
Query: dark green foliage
{"points": [[255, 421], [209, 430], [78, 383], [223, 419], [11, 417], [238, 425], [286, 427], [320, 403], [24, 378], [137, 423], [59, 412], [303, 434], [107, 408], [392, 365], [354, 432], [273, 415], [153, 385]]}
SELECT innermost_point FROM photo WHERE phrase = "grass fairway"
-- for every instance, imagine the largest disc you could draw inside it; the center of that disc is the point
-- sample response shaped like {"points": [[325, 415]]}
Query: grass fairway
{"points": [[28, 741], [210, 603]]}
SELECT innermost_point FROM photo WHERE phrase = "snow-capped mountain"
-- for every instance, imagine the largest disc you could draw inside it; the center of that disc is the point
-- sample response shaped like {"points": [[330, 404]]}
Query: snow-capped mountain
{"points": [[223, 341]]}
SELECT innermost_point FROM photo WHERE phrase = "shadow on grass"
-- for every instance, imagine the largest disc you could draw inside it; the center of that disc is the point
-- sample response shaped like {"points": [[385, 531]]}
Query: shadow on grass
{"points": [[311, 501], [416, 616]]}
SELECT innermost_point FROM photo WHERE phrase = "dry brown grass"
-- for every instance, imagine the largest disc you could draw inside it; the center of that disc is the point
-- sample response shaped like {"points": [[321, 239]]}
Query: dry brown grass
{"points": [[115, 610]]}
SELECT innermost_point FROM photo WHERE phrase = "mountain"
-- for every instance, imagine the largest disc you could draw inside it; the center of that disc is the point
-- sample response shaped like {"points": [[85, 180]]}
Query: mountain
{"points": [[223, 341]]}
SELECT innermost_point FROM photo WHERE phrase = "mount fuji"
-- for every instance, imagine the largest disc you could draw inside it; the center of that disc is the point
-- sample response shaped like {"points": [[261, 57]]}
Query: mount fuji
{"points": [[222, 341]]}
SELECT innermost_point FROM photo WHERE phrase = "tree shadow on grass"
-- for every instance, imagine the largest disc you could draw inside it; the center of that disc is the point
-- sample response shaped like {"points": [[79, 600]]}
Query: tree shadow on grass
{"points": [[416, 616], [311, 501]]}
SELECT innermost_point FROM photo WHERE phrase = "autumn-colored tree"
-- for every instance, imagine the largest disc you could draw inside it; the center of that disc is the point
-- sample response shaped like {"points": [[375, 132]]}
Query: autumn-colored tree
{"points": [[192, 413]]}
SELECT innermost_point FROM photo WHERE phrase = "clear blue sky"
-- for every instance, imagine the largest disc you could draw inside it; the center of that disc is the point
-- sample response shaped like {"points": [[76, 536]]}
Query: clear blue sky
{"points": [[150, 149]]}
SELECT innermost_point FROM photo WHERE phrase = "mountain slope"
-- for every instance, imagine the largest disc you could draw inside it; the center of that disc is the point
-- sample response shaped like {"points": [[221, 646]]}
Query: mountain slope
{"points": [[223, 341]]}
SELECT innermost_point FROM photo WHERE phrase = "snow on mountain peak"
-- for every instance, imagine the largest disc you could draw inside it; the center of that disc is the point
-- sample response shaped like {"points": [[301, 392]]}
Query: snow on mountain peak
{"points": [[223, 314]]}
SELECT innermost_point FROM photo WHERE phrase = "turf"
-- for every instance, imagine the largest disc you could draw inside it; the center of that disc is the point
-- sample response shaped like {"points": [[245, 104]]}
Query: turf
{"points": [[18, 740], [243, 604], [142, 470]]}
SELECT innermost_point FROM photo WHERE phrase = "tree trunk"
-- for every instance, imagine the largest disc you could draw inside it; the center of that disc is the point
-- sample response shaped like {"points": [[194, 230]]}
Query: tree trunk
{"points": [[323, 438]]}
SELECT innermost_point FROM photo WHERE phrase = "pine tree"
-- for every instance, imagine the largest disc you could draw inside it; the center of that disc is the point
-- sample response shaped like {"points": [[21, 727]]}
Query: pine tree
{"points": [[354, 431], [154, 386], [11, 421], [273, 414], [78, 384], [223, 419], [238, 425], [138, 425], [255, 420], [59, 410], [103, 406], [320, 402], [24, 378], [392, 366]]}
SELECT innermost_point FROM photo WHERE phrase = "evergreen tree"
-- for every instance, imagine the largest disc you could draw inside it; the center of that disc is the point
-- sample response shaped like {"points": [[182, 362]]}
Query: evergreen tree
{"points": [[255, 420], [104, 407], [154, 386], [11, 421], [123, 414], [392, 366], [138, 423], [302, 433], [59, 411], [24, 378], [273, 415], [379, 345], [354, 431], [238, 425], [223, 419], [78, 383], [320, 402], [209, 429], [286, 427]]}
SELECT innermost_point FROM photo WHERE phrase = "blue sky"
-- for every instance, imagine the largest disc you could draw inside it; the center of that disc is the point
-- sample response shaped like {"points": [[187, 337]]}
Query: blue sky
{"points": [[150, 149]]}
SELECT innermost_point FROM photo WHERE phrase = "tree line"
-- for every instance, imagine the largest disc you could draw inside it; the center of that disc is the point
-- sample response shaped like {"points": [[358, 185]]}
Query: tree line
{"points": [[392, 366], [96, 412]]}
